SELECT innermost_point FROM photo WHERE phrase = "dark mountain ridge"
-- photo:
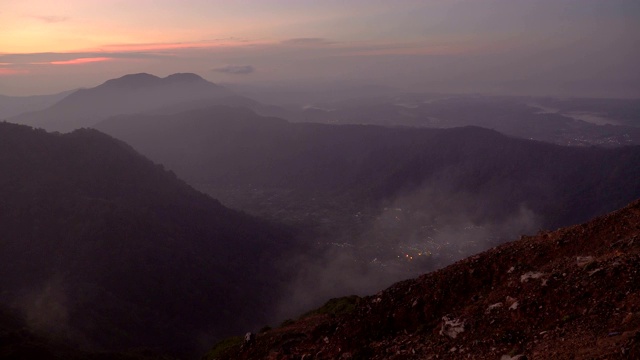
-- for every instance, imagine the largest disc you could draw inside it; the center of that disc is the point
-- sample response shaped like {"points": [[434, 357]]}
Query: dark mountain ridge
{"points": [[223, 147], [108, 250]]}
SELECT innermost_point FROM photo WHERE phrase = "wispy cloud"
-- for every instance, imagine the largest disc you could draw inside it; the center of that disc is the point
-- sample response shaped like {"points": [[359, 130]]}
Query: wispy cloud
{"points": [[56, 58], [216, 43], [81, 61], [10, 71], [235, 69], [134, 51], [453, 49], [308, 41], [50, 18], [301, 46]]}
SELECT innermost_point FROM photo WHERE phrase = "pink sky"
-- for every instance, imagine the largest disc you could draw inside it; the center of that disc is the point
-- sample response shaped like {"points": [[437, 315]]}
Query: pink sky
{"points": [[551, 46]]}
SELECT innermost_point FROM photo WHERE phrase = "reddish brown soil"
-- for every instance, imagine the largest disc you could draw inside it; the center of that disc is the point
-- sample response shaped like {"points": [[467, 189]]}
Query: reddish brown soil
{"points": [[573, 293]]}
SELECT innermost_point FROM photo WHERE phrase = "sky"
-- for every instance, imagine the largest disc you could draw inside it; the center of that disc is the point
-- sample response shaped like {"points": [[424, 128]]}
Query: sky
{"points": [[521, 47]]}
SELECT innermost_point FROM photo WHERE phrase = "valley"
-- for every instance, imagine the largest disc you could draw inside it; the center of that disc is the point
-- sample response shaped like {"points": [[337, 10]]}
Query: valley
{"points": [[305, 209], [319, 180]]}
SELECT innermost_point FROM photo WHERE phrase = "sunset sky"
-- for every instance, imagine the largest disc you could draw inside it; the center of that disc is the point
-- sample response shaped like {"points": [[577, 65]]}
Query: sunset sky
{"points": [[556, 47]]}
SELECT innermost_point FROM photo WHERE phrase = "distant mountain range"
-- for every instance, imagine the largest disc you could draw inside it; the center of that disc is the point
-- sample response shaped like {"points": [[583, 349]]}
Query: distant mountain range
{"points": [[103, 250], [576, 122], [224, 147], [11, 106], [107, 250], [126, 95]]}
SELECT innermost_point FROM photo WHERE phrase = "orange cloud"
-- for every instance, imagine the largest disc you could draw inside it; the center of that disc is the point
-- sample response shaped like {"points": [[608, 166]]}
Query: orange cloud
{"points": [[80, 61], [6, 71], [431, 49], [178, 45]]}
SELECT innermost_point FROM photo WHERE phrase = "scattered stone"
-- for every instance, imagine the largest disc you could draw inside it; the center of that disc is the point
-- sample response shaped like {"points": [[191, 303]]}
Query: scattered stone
{"points": [[583, 261], [451, 327], [593, 272], [516, 357], [530, 275], [493, 307]]}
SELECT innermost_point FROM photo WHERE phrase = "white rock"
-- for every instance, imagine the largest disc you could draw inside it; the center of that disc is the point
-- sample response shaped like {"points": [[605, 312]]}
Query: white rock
{"points": [[451, 327], [509, 357], [530, 275], [584, 260], [493, 307]]}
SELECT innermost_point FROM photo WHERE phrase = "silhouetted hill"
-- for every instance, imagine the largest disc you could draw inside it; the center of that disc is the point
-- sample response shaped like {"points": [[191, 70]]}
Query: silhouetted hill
{"points": [[569, 294], [126, 95], [107, 250], [223, 147]]}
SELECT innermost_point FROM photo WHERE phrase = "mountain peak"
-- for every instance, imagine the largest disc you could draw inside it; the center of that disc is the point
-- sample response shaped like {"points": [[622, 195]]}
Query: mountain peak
{"points": [[133, 80], [145, 80], [184, 77]]}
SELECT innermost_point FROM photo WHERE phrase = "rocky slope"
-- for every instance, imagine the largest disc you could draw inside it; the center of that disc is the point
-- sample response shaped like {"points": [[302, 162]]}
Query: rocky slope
{"points": [[573, 293]]}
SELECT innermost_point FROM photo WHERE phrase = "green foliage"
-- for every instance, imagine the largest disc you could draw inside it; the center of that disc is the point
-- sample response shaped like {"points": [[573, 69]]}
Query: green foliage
{"points": [[335, 306], [222, 346]]}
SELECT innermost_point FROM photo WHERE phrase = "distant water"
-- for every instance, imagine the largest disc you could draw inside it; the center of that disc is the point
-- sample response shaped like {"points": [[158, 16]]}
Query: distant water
{"points": [[590, 117], [594, 118]]}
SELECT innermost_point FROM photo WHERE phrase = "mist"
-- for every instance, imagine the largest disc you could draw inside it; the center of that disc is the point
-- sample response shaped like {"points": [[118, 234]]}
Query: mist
{"points": [[414, 234]]}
